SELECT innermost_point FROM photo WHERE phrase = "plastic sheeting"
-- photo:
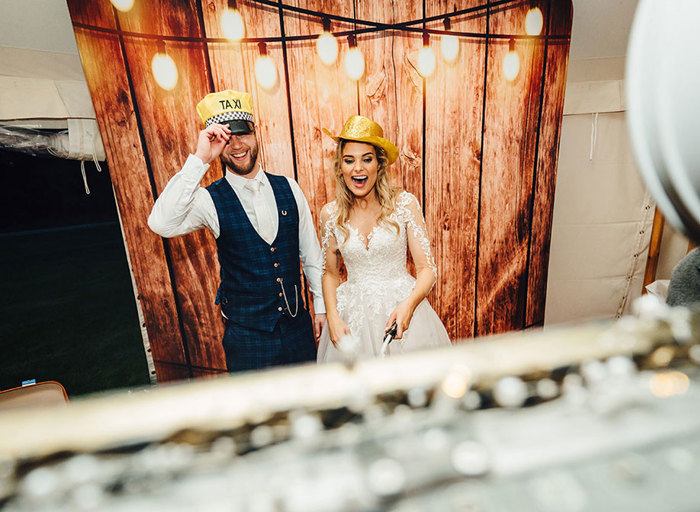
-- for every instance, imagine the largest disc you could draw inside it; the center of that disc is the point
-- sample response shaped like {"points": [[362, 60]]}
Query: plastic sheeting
{"points": [[37, 86]]}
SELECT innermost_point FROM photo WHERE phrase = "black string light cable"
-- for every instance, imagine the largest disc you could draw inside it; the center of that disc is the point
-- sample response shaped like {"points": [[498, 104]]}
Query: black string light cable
{"points": [[481, 176], [352, 38], [426, 41], [371, 26]]}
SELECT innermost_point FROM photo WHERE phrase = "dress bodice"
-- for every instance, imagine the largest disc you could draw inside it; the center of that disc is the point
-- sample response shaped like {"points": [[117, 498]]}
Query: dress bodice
{"points": [[376, 264]]}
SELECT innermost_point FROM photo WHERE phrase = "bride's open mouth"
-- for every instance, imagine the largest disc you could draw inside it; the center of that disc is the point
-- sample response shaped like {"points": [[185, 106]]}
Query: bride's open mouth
{"points": [[359, 181]]}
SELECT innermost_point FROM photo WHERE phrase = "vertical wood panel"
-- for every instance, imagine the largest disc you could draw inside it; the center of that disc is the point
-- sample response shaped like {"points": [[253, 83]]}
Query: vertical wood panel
{"points": [[511, 117], [453, 157], [322, 97], [170, 126], [119, 129], [391, 92], [550, 131], [270, 106]]}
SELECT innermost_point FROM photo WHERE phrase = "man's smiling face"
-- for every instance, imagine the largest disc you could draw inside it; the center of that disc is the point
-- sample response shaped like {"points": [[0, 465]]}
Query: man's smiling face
{"points": [[241, 153]]}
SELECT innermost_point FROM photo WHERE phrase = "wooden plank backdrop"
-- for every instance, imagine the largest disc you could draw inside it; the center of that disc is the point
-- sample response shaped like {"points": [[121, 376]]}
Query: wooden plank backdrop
{"points": [[480, 153], [507, 169], [453, 160], [552, 108]]}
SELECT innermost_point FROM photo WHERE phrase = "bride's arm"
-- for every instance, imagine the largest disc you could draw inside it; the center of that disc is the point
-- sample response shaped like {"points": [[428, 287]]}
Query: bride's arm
{"points": [[331, 277], [426, 271]]}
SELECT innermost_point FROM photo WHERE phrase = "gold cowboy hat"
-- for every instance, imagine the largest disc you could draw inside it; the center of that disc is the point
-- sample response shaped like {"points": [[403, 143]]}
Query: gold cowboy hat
{"points": [[362, 129]]}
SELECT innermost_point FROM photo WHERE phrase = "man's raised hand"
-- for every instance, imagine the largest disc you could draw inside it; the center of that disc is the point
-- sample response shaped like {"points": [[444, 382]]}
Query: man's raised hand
{"points": [[212, 141]]}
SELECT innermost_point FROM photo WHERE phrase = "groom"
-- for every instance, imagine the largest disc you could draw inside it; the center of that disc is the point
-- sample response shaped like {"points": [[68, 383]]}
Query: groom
{"points": [[263, 228]]}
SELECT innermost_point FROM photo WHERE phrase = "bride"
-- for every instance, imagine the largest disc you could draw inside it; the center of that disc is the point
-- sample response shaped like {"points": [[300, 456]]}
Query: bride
{"points": [[370, 224]]}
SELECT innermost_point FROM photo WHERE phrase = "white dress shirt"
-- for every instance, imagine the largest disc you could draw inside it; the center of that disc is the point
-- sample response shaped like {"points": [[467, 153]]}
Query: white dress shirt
{"points": [[184, 206]]}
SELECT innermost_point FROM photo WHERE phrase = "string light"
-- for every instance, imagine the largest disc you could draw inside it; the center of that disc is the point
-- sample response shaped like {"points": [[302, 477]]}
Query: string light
{"points": [[265, 70], [233, 26], [327, 44], [354, 60], [534, 22], [232, 22], [164, 68], [449, 44], [123, 5], [426, 57], [511, 62]]}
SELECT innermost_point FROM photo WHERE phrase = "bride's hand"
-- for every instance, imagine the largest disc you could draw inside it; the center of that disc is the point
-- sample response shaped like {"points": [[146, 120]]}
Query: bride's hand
{"points": [[336, 328], [402, 314]]}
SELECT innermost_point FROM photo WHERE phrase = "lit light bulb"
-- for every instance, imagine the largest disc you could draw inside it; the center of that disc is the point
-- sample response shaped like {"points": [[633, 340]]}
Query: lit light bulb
{"points": [[534, 22], [426, 57], [426, 61], [123, 5], [164, 69], [327, 44], [354, 60], [232, 23], [511, 62], [327, 47], [449, 45], [265, 69]]}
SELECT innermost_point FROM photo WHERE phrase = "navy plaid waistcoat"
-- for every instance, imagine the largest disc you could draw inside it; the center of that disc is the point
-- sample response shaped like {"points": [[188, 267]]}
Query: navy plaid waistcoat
{"points": [[254, 274]]}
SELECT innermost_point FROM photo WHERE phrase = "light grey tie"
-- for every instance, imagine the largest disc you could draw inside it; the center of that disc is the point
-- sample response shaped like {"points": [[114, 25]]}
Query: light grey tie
{"points": [[262, 212]]}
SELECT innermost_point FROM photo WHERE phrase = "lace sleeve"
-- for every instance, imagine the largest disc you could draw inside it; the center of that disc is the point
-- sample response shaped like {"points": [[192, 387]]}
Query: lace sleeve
{"points": [[327, 220], [412, 215]]}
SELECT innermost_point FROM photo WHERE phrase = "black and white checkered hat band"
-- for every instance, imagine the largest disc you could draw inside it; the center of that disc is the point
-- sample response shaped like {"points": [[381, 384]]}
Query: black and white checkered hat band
{"points": [[230, 116]]}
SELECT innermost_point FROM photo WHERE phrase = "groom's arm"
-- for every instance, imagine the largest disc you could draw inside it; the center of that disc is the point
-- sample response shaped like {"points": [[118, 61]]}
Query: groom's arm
{"points": [[310, 255]]}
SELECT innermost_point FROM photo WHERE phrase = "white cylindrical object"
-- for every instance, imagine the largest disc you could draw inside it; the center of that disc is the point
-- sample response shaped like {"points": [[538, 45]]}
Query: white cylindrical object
{"points": [[663, 111]]}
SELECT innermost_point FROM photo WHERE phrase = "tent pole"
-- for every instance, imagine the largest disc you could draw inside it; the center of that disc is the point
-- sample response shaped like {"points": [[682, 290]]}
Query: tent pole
{"points": [[657, 231]]}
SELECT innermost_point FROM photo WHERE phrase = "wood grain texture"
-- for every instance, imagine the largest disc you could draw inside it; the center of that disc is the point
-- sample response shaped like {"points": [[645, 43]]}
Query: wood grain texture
{"points": [[133, 192], [510, 129], [170, 127], [88, 12], [323, 97], [453, 158], [561, 14], [168, 372], [391, 91]]}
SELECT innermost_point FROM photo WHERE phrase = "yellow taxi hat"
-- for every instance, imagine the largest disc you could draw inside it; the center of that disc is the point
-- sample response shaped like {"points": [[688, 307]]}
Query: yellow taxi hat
{"points": [[363, 129], [227, 107]]}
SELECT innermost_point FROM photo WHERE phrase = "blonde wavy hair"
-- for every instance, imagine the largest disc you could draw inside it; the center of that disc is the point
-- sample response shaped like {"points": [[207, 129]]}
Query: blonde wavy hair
{"points": [[384, 190]]}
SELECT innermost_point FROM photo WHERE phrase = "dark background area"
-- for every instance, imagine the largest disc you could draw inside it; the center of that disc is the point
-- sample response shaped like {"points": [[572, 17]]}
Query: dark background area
{"points": [[67, 307]]}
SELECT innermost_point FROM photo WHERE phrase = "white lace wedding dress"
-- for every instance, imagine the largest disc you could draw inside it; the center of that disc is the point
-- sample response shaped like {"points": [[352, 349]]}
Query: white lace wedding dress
{"points": [[377, 282]]}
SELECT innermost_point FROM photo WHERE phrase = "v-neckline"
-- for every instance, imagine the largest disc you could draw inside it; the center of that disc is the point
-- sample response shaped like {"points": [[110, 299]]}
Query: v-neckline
{"points": [[369, 236], [245, 214]]}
